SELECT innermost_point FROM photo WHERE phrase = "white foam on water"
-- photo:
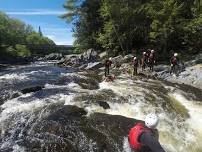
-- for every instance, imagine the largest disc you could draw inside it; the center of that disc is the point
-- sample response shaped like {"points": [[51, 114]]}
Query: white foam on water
{"points": [[195, 111], [74, 85], [13, 76], [68, 99], [72, 75], [17, 148], [126, 145]]}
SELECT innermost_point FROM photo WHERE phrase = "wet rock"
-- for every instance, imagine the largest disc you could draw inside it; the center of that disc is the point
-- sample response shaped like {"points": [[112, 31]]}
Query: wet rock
{"points": [[88, 84], [32, 89], [95, 65], [100, 95], [67, 112], [191, 76], [83, 66], [85, 82], [68, 129], [8, 95], [103, 104], [3, 66]]}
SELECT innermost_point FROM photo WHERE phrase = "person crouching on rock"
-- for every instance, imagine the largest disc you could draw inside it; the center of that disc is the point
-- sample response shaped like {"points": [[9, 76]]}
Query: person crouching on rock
{"points": [[108, 64], [135, 65], [144, 137], [174, 63], [109, 78]]}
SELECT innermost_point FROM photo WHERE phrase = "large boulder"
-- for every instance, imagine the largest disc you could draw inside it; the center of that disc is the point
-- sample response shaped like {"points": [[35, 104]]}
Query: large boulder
{"points": [[54, 56], [103, 55], [118, 60], [191, 76], [95, 65], [69, 60], [128, 58], [90, 55]]}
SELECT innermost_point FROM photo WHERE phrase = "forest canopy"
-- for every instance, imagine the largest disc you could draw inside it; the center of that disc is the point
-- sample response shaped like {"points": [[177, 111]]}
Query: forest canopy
{"points": [[120, 26]]}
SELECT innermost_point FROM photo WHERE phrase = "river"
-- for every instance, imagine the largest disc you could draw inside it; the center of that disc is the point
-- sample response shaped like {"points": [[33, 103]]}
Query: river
{"points": [[37, 121]]}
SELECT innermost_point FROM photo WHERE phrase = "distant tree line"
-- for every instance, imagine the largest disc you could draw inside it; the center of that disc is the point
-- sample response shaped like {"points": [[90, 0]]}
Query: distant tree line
{"points": [[20, 40], [124, 26]]}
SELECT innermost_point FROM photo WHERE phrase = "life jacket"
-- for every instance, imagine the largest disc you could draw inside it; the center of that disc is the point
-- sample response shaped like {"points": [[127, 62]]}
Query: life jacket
{"points": [[174, 60], [151, 56], [110, 78], [135, 62], [108, 63], [134, 135]]}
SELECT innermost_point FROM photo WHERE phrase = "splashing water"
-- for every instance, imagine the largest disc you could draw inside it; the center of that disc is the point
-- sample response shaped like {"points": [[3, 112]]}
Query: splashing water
{"points": [[180, 118]]}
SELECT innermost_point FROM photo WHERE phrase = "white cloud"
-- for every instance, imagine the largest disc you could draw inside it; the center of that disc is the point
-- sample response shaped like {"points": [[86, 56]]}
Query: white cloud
{"points": [[61, 39], [36, 12]]}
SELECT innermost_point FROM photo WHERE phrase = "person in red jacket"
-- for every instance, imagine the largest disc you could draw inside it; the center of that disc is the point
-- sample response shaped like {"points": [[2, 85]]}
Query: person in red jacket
{"points": [[135, 65], [144, 137], [174, 62], [108, 64]]}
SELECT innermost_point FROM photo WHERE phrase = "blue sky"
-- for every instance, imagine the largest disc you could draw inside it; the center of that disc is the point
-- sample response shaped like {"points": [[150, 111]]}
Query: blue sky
{"points": [[42, 13]]}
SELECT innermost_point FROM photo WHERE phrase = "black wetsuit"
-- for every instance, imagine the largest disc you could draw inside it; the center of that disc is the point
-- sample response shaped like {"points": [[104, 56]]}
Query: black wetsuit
{"points": [[108, 64], [151, 142], [135, 66]]}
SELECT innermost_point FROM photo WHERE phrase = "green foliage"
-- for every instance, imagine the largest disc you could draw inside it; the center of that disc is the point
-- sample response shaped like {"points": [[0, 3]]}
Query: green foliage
{"points": [[120, 26], [19, 39], [22, 51], [39, 44]]}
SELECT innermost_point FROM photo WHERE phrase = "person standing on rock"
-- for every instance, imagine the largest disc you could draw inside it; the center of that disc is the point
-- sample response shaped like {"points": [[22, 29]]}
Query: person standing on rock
{"points": [[144, 60], [144, 137], [108, 64], [135, 65], [151, 60], [174, 63]]}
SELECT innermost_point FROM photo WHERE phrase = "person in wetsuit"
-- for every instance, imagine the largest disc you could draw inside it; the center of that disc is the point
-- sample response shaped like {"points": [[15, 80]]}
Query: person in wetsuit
{"points": [[174, 63], [108, 64], [144, 137], [135, 65]]}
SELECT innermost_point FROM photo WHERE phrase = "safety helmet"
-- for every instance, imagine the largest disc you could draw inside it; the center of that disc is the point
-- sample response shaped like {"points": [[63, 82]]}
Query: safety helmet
{"points": [[175, 54], [144, 53], [110, 58], [151, 121], [152, 51], [135, 58]]}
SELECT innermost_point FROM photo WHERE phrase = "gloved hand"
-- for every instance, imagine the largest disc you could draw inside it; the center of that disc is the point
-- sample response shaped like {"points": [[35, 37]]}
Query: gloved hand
{"points": [[171, 65]]}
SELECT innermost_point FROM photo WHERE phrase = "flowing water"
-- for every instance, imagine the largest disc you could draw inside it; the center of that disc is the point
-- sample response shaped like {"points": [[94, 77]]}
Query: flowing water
{"points": [[35, 122]]}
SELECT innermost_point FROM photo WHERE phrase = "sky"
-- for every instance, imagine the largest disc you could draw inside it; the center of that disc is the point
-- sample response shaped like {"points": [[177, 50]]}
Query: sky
{"points": [[43, 13]]}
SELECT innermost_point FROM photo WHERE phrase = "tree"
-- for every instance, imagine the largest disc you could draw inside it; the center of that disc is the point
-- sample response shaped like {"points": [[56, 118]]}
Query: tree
{"points": [[119, 26], [39, 44], [86, 20]]}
